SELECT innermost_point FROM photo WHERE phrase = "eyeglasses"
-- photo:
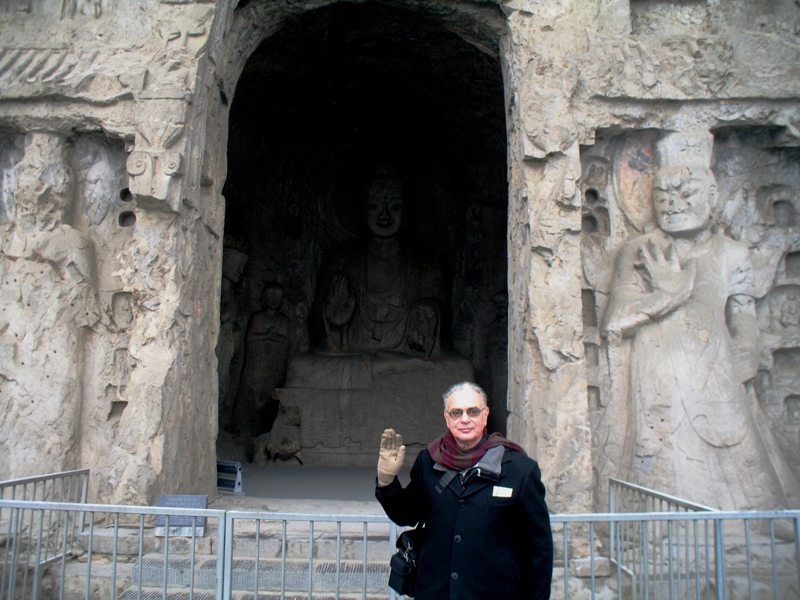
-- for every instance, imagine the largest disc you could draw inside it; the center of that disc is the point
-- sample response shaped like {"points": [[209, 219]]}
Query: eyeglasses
{"points": [[473, 412]]}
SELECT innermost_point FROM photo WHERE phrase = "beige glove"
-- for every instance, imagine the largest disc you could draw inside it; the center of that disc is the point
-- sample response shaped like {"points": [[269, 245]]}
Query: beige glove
{"points": [[391, 457]]}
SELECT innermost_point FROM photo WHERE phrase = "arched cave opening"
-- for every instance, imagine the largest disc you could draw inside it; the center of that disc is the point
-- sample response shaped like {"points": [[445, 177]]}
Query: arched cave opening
{"points": [[333, 97]]}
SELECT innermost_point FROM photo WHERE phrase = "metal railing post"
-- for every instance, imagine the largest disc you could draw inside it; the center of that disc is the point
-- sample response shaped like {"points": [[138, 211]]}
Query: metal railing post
{"points": [[36, 586], [15, 542], [224, 572], [392, 537], [797, 548], [612, 508], [719, 560], [566, 561]]}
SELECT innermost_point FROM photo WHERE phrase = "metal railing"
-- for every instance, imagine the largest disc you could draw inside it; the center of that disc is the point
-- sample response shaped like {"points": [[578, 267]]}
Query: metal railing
{"points": [[661, 556], [116, 551], [38, 541], [68, 486], [686, 554], [750, 554], [624, 497], [333, 553]]}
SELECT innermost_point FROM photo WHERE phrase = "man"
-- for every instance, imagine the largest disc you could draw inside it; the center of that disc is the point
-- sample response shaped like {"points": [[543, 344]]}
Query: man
{"points": [[488, 530]]}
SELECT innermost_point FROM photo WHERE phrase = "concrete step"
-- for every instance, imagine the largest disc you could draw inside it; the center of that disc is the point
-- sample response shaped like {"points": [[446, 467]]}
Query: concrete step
{"points": [[157, 594], [323, 574], [73, 586], [127, 578], [128, 542], [269, 536], [322, 545]]}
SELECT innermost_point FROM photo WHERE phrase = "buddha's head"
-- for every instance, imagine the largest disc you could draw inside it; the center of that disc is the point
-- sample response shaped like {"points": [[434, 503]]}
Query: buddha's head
{"points": [[272, 296], [384, 207]]}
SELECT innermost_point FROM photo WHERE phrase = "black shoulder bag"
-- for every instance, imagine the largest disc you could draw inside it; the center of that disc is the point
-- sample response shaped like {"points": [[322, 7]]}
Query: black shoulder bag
{"points": [[403, 565]]}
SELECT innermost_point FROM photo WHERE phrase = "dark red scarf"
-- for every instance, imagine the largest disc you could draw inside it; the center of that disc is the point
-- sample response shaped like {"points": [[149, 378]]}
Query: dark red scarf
{"points": [[445, 452]]}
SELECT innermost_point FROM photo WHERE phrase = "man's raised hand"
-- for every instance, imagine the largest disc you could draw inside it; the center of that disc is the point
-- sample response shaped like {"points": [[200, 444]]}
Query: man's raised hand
{"points": [[391, 457]]}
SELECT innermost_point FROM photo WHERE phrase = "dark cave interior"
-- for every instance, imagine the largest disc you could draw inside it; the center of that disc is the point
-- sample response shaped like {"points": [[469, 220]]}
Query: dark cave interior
{"points": [[333, 95]]}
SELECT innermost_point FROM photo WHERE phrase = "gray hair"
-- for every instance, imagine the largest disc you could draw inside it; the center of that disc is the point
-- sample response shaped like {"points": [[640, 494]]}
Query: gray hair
{"points": [[465, 385]]}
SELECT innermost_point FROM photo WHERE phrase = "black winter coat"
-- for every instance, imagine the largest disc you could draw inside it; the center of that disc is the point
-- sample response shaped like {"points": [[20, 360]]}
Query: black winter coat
{"points": [[481, 544]]}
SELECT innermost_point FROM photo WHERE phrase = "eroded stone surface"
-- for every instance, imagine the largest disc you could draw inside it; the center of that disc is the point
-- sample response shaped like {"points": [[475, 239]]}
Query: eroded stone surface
{"points": [[535, 150]]}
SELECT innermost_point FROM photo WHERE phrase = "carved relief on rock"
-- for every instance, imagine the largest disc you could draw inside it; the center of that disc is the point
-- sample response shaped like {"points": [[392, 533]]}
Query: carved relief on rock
{"points": [[89, 8], [49, 296], [547, 118], [232, 326], [12, 149], [37, 71], [682, 351], [674, 68], [759, 177], [156, 165], [187, 31], [122, 310], [37, 65], [67, 9]]}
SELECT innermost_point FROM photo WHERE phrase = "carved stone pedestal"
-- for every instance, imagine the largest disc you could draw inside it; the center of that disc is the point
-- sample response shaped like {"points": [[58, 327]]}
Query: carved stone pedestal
{"points": [[346, 401]]}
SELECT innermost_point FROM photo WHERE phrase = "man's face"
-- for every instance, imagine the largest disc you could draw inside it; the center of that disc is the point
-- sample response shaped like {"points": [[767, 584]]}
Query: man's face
{"points": [[467, 430], [683, 202], [385, 208]]}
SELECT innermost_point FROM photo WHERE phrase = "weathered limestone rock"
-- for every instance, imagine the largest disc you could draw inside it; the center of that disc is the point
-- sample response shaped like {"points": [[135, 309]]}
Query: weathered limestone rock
{"points": [[548, 412], [49, 300], [530, 129], [130, 253]]}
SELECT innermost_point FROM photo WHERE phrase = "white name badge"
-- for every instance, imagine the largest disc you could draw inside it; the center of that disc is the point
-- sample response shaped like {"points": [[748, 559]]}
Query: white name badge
{"points": [[502, 492]]}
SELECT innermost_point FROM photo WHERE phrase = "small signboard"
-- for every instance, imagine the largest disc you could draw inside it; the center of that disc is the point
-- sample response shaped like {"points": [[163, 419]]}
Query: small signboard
{"points": [[181, 525], [229, 477]]}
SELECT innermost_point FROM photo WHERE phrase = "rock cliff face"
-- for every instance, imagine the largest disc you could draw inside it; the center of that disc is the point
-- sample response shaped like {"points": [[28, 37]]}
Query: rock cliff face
{"points": [[143, 141]]}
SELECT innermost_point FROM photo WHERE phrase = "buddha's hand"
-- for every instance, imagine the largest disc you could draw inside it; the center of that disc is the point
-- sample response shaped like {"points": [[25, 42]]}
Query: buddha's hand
{"points": [[423, 323], [341, 302], [391, 457], [662, 270]]}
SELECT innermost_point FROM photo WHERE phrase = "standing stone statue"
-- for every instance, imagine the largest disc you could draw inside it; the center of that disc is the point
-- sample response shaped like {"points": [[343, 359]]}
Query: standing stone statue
{"points": [[49, 301], [230, 334], [790, 311], [497, 355], [382, 295], [683, 294], [266, 353]]}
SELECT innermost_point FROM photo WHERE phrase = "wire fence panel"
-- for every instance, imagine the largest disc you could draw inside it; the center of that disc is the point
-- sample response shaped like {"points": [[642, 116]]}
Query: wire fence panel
{"points": [[114, 553], [68, 486], [308, 555], [656, 549], [37, 539], [664, 559], [717, 555]]}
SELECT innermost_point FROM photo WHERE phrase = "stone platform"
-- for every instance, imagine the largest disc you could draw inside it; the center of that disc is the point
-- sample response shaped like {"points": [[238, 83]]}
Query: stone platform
{"points": [[346, 401]]}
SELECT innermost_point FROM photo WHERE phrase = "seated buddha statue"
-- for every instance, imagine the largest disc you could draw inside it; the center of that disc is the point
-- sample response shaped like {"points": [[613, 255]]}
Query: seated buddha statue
{"points": [[377, 327], [381, 294]]}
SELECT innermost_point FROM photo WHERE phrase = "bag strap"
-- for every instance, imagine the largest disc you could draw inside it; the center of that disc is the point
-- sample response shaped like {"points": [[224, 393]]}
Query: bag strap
{"points": [[445, 480], [441, 486]]}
